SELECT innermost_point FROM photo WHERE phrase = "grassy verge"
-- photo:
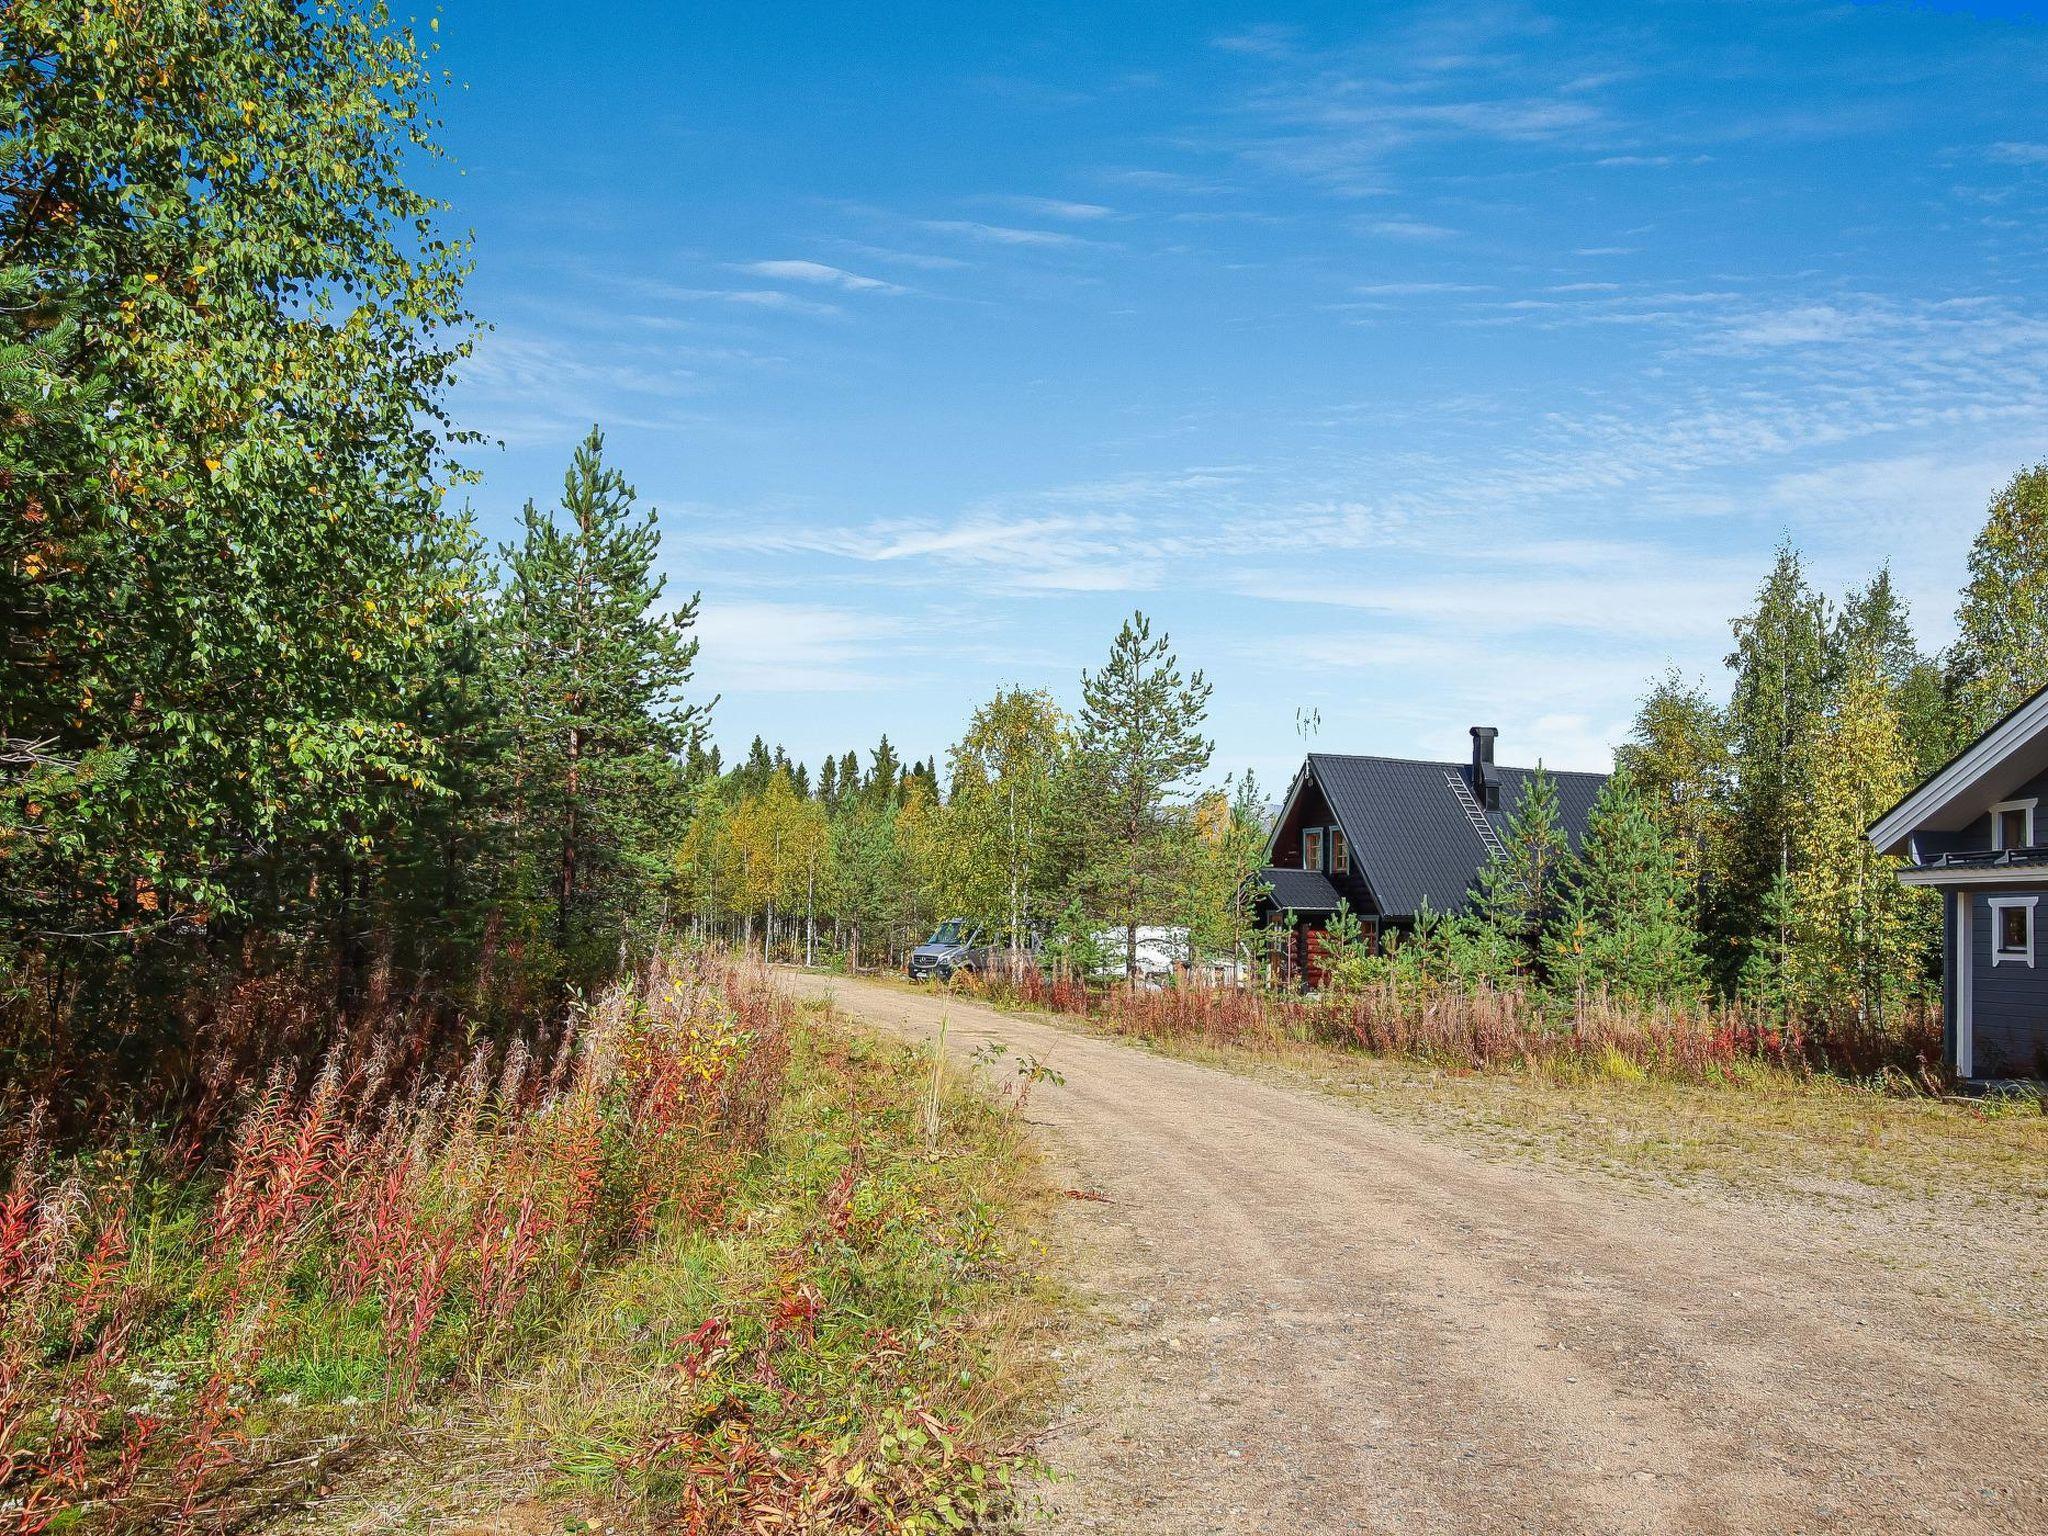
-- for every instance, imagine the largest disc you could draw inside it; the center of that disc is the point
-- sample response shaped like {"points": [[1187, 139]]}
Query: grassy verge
{"points": [[1738, 1121], [740, 1269], [855, 1349]]}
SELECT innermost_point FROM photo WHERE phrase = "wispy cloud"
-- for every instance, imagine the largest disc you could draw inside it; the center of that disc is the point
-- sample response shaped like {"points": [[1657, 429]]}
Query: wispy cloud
{"points": [[1000, 234], [769, 647], [1057, 208], [2017, 153], [819, 273], [1410, 229]]}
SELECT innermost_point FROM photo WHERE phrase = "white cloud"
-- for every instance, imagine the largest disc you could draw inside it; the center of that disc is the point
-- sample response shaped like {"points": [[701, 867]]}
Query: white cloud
{"points": [[2015, 153], [1000, 234], [1410, 229], [767, 647], [1403, 290], [819, 273], [1059, 208], [772, 298]]}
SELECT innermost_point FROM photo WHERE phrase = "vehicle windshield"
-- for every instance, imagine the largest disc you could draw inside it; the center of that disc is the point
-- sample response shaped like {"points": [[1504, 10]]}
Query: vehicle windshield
{"points": [[952, 931]]}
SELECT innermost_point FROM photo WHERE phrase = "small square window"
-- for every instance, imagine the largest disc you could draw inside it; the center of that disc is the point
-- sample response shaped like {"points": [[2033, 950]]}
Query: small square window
{"points": [[1340, 852], [1312, 849], [2012, 930]]}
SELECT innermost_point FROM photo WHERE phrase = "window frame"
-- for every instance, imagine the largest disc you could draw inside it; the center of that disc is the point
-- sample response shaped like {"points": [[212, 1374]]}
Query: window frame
{"points": [[1316, 866], [1340, 850], [2000, 905], [1998, 814]]}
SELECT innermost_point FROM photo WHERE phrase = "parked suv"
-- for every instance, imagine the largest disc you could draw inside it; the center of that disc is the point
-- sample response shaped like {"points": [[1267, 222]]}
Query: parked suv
{"points": [[958, 945]]}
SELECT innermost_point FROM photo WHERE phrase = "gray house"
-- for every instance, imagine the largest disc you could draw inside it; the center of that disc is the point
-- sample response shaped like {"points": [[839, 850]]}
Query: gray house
{"points": [[1978, 833], [1387, 835]]}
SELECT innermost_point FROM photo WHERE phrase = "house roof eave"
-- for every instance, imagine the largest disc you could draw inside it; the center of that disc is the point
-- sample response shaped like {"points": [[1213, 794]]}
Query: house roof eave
{"points": [[1954, 782]]}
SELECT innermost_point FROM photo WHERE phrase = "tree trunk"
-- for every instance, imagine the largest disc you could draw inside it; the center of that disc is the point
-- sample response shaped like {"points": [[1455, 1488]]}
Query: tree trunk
{"points": [[569, 841]]}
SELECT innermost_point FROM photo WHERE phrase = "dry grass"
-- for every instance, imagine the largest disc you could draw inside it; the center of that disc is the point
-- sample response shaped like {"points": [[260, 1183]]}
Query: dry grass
{"points": [[859, 1348], [1662, 1098]]}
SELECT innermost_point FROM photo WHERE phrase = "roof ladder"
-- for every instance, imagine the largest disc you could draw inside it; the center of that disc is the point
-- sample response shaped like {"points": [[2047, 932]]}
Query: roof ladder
{"points": [[1473, 813]]}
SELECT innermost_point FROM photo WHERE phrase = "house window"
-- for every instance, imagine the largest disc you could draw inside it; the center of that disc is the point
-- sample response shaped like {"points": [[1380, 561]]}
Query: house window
{"points": [[2012, 930], [2012, 824], [1312, 849], [1340, 852]]}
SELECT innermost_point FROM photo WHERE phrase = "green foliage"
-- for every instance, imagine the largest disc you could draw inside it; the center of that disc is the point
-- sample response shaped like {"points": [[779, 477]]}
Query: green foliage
{"points": [[1625, 927], [1518, 893], [1678, 758], [2001, 651], [1780, 663], [1140, 743], [226, 326], [1221, 889], [1856, 932], [1008, 774], [593, 673]]}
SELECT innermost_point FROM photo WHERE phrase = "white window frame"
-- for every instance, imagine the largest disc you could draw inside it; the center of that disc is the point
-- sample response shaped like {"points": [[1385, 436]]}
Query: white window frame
{"points": [[1998, 820], [1322, 848], [1334, 840], [2002, 956]]}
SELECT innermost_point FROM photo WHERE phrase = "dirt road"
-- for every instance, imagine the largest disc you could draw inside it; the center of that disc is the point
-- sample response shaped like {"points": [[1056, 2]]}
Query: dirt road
{"points": [[1314, 1320]]}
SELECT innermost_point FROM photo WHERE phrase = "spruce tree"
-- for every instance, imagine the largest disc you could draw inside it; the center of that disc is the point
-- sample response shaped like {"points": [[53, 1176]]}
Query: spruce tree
{"points": [[2001, 650], [1876, 621], [1625, 926], [599, 672], [1519, 892], [885, 779], [1140, 743], [1780, 662]]}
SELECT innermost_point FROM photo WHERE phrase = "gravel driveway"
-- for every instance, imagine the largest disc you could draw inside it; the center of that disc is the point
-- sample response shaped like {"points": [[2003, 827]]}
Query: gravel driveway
{"points": [[1313, 1320]]}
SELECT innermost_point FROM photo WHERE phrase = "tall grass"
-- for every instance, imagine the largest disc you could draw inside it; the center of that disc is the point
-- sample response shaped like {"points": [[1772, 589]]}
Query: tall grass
{"points": [[172, 1332], [1484, 1029]]}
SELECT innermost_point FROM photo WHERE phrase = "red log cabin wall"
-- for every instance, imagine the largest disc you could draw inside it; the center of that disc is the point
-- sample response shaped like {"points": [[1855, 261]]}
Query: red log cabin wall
{"points": [[1310, 810]]}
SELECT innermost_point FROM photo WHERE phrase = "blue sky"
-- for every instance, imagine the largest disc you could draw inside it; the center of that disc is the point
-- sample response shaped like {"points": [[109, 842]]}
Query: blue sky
{"points": [[1419, 365]]}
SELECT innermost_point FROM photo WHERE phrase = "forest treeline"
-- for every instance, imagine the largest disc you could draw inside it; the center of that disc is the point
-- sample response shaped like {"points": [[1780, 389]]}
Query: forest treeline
{"points": [[1726, 861], [283, 738]]}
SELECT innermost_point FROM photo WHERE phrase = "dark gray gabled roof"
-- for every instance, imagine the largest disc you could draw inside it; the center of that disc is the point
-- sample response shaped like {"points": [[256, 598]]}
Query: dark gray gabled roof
{"points": [[1410, 837], [1299, 890]]}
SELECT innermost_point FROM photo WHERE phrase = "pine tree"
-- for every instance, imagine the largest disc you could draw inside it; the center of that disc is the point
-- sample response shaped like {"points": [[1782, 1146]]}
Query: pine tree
{"points": [[599, 673], [2001, 650], [1140, 742], [1624, 926], [828, 781]]}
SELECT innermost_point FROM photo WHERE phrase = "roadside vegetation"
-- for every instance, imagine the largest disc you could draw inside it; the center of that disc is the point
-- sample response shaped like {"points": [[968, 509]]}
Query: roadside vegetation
{"points": [[736, 1267]]}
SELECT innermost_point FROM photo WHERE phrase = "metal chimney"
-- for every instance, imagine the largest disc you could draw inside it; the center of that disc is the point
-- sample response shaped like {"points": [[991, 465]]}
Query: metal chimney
{"points": [[1485, 785]]}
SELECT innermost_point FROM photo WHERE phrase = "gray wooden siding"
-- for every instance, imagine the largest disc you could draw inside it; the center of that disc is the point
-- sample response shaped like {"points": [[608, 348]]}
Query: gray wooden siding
{"points": [[1978, 833], [1948, 976], [2009, 1001]]}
